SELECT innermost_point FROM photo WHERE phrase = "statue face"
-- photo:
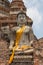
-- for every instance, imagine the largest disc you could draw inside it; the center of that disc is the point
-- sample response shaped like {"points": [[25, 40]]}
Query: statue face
{"points": [[21, 18]]}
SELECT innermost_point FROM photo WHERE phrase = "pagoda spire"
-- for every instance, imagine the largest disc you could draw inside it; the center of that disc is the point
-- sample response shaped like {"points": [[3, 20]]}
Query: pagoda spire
{"points": [[16, 6]]}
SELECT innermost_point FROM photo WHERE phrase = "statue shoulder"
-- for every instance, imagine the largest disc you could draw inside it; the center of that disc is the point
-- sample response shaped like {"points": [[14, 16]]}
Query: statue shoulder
{"points": [[15, 28], [27, 29]]}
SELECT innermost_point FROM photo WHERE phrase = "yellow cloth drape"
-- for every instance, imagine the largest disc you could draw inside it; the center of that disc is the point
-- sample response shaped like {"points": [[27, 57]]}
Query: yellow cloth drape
{"points": [[18, 36]]}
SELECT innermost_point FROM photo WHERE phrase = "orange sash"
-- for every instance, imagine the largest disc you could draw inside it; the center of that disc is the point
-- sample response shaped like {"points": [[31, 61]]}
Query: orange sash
{"points": [[18, 36]]}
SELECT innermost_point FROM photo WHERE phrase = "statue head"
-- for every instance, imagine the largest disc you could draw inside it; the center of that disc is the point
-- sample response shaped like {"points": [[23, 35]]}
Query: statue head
{"points": [[21, 18]]}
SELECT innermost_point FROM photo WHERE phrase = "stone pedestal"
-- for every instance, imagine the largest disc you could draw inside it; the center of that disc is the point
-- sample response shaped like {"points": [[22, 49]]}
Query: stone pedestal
{"points": [[23, 59]]}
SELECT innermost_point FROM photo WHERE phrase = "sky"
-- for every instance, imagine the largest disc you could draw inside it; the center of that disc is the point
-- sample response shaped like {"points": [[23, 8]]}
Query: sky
{"points": [[35, 12]]}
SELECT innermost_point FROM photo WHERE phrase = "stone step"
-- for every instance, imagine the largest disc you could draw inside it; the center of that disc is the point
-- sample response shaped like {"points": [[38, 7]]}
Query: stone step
{"points": [[22, 63]]}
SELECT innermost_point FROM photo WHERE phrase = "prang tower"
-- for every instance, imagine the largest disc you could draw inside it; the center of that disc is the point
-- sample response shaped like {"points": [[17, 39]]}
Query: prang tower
{"points": [[12, 17]]}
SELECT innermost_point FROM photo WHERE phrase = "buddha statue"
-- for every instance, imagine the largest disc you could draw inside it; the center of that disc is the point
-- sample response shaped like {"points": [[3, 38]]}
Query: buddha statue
{"points": [[25, 37]]}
